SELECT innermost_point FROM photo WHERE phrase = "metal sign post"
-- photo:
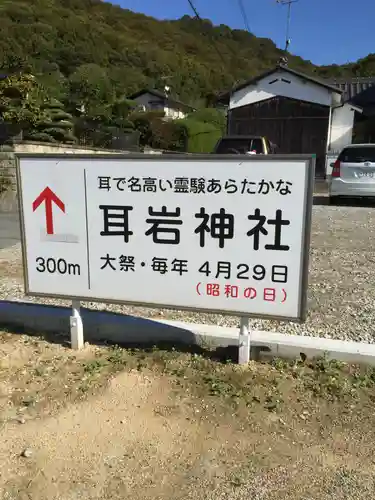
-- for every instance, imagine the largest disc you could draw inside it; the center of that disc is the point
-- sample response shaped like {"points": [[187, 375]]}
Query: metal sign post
{"points": [[244, 342], [222, 234], [76, 326]]}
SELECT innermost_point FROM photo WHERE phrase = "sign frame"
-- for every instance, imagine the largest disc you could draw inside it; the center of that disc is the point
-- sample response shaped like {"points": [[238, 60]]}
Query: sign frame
{"points": [[179, 158]]}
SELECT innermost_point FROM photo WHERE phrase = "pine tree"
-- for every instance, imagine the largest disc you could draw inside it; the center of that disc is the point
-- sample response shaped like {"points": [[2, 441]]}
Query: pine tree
{"points": [[55, 126]]}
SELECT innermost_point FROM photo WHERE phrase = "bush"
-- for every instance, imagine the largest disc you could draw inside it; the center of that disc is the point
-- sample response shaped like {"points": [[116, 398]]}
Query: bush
{"points": [[143, 123], [168, 135], [210, 115], [58, 125], [123, 124], [59, 115], [39, 137], [55, 124], [202, 137], [180, 135], [56, 133]]}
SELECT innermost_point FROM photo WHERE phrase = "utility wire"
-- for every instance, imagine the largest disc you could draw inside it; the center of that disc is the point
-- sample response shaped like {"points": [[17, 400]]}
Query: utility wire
{"points": [[194, 9], [244, 15], [212, 39]]}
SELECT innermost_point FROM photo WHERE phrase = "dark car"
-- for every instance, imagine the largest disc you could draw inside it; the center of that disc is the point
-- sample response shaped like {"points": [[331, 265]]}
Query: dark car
{"points": [[245, 144]]}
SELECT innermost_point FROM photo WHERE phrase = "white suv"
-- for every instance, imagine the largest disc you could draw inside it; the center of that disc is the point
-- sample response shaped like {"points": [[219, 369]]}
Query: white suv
{"points": [[353, 173]]}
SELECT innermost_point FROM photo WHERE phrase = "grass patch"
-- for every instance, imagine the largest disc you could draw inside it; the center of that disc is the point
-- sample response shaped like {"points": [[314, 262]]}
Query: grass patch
{"points": [[48, 373], [259, 382]]}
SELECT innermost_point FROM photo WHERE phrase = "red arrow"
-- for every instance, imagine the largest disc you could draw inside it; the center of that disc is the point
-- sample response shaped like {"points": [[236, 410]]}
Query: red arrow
{"points": [[49, 197]]}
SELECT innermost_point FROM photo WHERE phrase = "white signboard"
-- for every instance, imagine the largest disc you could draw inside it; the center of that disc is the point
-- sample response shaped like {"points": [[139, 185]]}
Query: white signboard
{"points": [[224, 234]]}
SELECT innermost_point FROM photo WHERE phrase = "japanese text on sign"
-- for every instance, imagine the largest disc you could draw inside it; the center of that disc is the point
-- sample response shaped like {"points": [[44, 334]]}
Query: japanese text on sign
{"points": [[164, 226], [194, 185], [224, 235]]}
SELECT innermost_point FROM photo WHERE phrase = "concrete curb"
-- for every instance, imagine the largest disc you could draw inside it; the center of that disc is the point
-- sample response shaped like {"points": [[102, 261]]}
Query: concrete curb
{"points": [[122, 329]]}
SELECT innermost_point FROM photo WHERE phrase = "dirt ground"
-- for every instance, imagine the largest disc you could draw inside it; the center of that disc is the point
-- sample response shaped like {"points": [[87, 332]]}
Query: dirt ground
{"points": [[159, 423]]}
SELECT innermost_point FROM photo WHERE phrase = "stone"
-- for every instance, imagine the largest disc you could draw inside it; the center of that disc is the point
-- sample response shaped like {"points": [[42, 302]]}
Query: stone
{"points": [[27, 453]]}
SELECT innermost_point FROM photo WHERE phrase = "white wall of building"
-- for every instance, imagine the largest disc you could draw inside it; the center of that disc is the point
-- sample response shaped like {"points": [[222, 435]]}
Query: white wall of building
{"points": [[152, 102], [173, 113], [282, 83], [341, 127]]}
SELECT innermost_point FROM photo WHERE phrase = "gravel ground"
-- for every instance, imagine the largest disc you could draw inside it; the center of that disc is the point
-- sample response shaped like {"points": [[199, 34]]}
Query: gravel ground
{"points": [[341, 291]]}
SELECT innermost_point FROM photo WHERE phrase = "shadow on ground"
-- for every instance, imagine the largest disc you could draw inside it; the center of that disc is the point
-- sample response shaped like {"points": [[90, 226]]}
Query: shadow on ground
{"points": [[345, 202], [220, 354], [107, 328]]}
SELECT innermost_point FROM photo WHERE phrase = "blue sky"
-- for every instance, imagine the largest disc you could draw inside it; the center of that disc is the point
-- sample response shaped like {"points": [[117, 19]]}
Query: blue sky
{"points": [[324, 31]]}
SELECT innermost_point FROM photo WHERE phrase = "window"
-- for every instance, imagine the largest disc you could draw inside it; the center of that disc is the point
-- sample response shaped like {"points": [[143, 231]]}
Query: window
{"points": [[256, 145], [238, 145], [358, 154]]}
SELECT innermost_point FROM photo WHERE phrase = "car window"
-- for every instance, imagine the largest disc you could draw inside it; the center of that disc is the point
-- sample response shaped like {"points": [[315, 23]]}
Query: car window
{"points": [[242, 146], [230, 146], [357, 155], [256, 145]]}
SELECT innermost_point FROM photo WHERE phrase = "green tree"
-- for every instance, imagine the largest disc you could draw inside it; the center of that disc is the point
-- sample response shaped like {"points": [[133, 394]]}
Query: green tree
{"points": [[156, 132], [109, 123], [21, 101], [120, 111], [143, 122], [91, 87], [92, 53], [56, 83], [168, 135], [56, 125], [213, 116]]}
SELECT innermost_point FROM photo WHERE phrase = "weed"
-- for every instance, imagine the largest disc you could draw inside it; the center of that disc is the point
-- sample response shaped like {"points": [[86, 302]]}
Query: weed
{"points": [[95, 366], [116, 356], [280, 364], [237, 481], [84, 387], [219, 387], [39, 372], [29, 401]]}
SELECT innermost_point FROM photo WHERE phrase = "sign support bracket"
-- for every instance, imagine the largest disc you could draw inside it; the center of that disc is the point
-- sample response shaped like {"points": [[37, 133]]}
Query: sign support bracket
{"points": [[76, 326], [244, 341]]}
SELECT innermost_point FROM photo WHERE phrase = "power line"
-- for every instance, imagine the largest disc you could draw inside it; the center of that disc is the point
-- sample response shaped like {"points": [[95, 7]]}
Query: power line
{"points": [[194, 9], [244, 15], [212, 39]]}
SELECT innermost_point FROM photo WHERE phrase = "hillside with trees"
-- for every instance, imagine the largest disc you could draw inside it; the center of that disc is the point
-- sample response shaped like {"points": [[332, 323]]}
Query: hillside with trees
{"points": [[92, 51], [89, 55]]}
